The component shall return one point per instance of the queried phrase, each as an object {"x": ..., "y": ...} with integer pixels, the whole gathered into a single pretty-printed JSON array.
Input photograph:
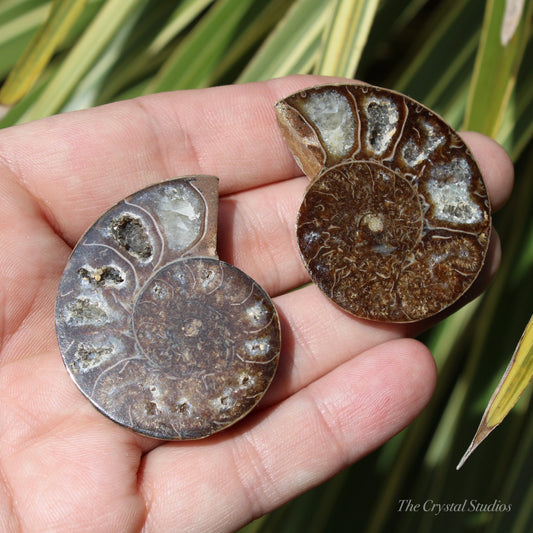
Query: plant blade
[
  {"x": 81, "y": 57},
  {"x": 496, "y": 66},
  {"x": 292, "y": 46},
  {"x": 513, "y": 383},
  {"x": 192, "y": 63},
  {"x": 63, "y": 15},
  {"x": 346, "y": 37}
]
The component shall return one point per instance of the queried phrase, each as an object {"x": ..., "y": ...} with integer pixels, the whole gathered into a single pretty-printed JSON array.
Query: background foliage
[{"x": 448, "y": 54}]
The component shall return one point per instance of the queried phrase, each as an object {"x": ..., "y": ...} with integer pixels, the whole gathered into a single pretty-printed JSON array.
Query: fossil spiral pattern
[
  {"x": 395, "y": 223},
  {"x": 158, "y": 333}
]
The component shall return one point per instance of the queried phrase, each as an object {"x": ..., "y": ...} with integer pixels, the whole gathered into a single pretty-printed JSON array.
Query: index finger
[{"x": 78, "y": 164}]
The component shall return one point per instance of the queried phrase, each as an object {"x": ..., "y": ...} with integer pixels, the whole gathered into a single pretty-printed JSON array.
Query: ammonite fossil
[
  {"x": 159, "y": 334},
  {"x": 395, "y": 223}
]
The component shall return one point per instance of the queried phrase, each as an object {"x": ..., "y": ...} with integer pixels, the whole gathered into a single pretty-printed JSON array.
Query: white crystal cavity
[
  {"x": 257, "y": 347},
  {"x": 257, "y": 314},
  {"x": 382, "y": 117},
  {"x": 449, "y": 191},
  {"x": 180, "y": 211},
  {"x": 331, "y": 113},
  {"x": 413, "y": 154}
]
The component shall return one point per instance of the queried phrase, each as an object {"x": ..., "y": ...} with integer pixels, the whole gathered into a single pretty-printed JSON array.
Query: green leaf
[
  {"x": 17, "y": 27},
  {"x": 293, "y": 45},
  {"x": 149, "y": 42},
  {"x": 516, "y": 130},
  {"x": 85, "y": 52},
  {"x": 61, "y": 19},
  {"x": 497, "y": 63},
  {"x": 345, "y": 37},
  {"x": 261, "y": 23},
  {"x": 184, "y": 14},
  {"x": 19, "y": 17},
  {"x": 437, "y": 71},
  {"x": 517, "y": 377},
  {"x": 191, "y": 64}
]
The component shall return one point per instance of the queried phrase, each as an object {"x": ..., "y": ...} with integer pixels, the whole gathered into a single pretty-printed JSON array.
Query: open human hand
[{"x": 343, "y": 387}]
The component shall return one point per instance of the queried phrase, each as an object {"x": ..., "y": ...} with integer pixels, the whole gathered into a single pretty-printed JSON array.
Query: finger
[
  {"x": 495, "y": 165},
  {"x": 282, "y": 452},
  {"x": 257, "y": 233},
  {"x": 32, "y": 258},
  {"x": 309, "y": 323},
  {"x": 58, "y": 454},
  {"x": 79, "y": 164}
]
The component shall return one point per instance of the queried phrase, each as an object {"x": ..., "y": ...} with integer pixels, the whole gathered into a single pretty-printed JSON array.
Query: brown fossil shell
[
  {"x": 396, "y": 221},
  {"x": 160, "y": 335}
]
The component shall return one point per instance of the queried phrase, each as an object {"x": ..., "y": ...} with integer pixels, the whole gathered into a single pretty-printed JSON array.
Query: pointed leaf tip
[{"x": 516, "y": 378}]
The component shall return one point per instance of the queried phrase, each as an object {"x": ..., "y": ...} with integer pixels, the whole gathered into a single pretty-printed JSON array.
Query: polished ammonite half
[
  {"x": 158, "y": 333},
  {"x": 396, "y": 221}
]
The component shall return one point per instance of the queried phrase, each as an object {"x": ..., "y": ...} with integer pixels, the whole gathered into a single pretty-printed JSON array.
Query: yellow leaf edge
[
  {"x": 61, "y": 17},
  {"x": 486, "y": 425}
]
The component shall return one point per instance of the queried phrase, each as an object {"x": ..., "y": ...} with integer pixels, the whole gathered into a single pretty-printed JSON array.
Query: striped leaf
[
  {"x": 193, "y": 61},
  {"x": 502, "y": 45},
  {"x": 81, "y": 57},
  {"x": 63, "y": 15},
  {"x": 293, "y": 45},
  {"x": 345, "y": 37},
  {"x": 517, "y": 377}
]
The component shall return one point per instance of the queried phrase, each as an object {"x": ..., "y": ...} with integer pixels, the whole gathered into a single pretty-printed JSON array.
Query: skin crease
[{"x": 344, "y": 386}]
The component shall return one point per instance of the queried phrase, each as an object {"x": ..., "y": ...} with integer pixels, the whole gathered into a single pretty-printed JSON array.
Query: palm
[{"x": 61, "y": 462}]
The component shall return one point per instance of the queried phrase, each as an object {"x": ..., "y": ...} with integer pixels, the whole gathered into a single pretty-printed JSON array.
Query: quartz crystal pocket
[
  {"x": 395, "y": 223},
  {"x": 158, "y": 333}
]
